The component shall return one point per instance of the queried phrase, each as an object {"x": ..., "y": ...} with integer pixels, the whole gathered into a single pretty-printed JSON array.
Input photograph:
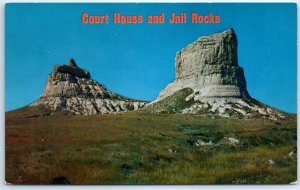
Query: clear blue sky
[{"x": 138, "y": 60}]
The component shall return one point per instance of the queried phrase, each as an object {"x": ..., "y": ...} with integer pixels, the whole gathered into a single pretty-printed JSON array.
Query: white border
[{"x": 127, "y": 187}]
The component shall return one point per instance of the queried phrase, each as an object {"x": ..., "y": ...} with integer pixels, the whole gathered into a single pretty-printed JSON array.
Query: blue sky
[{"x": 138, "y": 60}]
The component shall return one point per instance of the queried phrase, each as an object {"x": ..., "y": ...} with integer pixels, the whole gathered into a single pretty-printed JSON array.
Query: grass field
[{"x": 142, "y": 148}]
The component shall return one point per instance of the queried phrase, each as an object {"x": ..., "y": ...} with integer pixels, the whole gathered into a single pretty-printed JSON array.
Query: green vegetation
[
  {"x": 142, "y": 148},
  {"x": 174, "y": 103}
]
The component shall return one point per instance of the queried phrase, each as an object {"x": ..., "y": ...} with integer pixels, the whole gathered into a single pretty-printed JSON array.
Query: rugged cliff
[
  {"x": 209, "y": 80},
  {"x": 210, "y": 66},
  {"x": 71, "y": 88}
]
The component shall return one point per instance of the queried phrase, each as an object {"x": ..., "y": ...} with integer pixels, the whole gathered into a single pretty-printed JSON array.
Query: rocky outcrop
[
  {"x": 71, "y": 81},
  {"x": 210, "y": 67},
  {"x": 71, "y": 88},
  {"x": 208, "y": 80}
]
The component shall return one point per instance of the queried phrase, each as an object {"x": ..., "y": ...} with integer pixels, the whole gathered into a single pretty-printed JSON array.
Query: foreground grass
[{"x": 141, "y": 148}]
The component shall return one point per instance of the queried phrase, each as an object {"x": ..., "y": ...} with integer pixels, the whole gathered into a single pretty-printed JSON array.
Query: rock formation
[
  {"x": 208, "y": 80},
  {"x": 71, "y": 88},
  {"x": 209, "y": 68}
]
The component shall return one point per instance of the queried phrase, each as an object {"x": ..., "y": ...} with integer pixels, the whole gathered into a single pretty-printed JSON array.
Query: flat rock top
[{"x": 212, "y": 39}]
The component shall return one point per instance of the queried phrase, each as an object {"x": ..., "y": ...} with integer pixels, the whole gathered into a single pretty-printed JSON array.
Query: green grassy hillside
[
  {"x": 173, "y": 103},
  {"x": 142, "y": 148}
]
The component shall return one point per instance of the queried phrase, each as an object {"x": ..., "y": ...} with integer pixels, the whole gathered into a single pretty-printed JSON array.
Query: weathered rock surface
[
  {"x": 210, "y": 67},
  {"x": 226, "y": 107},
  {"x": 71, "y": 88},
  {"x": 208, "y": 80}
]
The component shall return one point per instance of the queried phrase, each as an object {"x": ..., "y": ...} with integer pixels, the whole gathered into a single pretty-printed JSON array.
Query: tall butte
[
  {"x": 209, "y": 80},
  {"x": 210, "y": 67},
  {"x": 71, "y": 88}
]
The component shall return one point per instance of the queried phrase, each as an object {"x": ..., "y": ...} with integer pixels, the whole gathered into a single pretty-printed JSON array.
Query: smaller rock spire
[{"x": 72, "y": 63}]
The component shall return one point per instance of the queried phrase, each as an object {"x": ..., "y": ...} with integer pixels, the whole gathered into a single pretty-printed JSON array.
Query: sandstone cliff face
[
  {"x": 209, "y": 81},
  {"x": 210, "y": 67},
  {"x": 71, "y": 88}
]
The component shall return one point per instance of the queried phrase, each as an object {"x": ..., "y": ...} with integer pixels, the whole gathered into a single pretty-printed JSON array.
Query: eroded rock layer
[
  {"x": 209, "y": 66},
  {"x": 209, "y": 80},
  {"x": 71, "y": 88}
]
